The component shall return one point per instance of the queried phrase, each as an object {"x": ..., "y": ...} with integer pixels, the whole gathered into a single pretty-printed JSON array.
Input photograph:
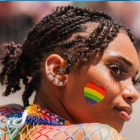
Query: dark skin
[
  {"x": 68, "y": 101},
  {"x": 114, "y": 68},
  {"x": 104, "y": 69}
]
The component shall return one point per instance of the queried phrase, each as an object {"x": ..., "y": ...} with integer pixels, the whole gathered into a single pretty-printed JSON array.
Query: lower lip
[{"x": 123, "y": 114}]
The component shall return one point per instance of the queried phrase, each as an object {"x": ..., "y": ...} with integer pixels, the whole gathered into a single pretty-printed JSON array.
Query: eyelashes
[
  {"x": 136, "y": 81},
  {"x": 119, "y": 70}
]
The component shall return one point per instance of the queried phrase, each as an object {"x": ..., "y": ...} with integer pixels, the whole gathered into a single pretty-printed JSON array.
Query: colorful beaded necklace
[{"x": 33, "y": 114}]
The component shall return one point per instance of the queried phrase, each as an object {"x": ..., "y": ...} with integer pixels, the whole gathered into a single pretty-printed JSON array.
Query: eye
[{"x": 116, "y": 69}]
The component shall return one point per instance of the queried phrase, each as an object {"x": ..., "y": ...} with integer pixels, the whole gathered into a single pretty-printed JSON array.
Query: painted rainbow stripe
[{"x": 94, "y": 94}]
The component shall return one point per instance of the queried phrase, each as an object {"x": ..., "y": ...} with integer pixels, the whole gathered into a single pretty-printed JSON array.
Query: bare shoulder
[{"x": 89, "y": 131}]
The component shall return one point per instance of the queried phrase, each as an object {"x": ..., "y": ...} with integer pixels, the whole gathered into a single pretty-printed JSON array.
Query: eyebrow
[{"x": 126, "y": 61}]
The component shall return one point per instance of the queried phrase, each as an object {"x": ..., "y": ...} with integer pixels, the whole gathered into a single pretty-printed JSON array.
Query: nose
[{"x": 130, "y": 93}]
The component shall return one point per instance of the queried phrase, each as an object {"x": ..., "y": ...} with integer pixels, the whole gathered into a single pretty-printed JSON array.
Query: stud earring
[
  {"x": 49, "y": 75},
  {"x": 53, "y": 78},
  {"x": 56, "y": 81},
  {"x": 47, "y": 72},
  {"x": 60, "y": 83}
]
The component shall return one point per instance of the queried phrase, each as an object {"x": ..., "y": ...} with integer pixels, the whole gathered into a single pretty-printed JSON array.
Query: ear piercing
[
  {"x": 48, "y": 72},
  {"x": 49, "y": 75},
  {"x": 61, "y": 83},
  {"x": 56, "y": 81},
  {"x": 53, "y": 78}
]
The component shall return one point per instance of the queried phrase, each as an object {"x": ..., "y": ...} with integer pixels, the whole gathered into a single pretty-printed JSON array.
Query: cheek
[
  {"x": 113, "y": 90},
  {"x": 94, "y": 94},
  {"x": 101, "y": 76},
  {"x": 74, "y": 99}
]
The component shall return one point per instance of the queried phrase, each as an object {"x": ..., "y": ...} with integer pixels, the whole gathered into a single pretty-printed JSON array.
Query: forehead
[{"x": 122, "y": 46}]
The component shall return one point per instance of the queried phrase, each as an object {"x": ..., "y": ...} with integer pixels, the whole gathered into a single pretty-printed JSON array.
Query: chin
[
  {"x": 119, "y": 129},
  {"x": 118, "y": 126},
  {"x": 116, "y": 123}
]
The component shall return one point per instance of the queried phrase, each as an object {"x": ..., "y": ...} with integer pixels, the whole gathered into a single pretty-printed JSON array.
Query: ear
[{"x": 52, "y": 64}]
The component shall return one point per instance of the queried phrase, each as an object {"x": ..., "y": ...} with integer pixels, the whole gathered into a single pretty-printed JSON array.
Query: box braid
[{"x": 53, "y": 31}]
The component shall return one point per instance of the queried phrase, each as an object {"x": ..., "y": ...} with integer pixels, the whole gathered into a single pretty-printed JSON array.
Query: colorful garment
[{"x": 38, "y": 123}]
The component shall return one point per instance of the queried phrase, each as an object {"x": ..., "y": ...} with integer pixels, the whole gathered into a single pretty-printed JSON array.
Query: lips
[{"x": 124, "y": 112}]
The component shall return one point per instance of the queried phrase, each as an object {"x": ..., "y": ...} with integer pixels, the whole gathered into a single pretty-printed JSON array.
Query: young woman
[{"x": 83, "y": 67}]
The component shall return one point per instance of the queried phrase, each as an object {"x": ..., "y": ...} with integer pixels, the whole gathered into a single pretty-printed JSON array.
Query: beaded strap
[{"x": 37, "y": 114}]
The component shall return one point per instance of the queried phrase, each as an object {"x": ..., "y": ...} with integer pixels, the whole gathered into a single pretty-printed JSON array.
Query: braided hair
[{"x": 53, "y": 31}]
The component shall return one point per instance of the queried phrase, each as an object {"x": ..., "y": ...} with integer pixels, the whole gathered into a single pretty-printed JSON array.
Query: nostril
[{"x": 130, "y": 98}]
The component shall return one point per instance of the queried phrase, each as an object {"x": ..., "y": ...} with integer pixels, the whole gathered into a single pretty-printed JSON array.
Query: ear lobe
[{"x": 53, "y": 63}]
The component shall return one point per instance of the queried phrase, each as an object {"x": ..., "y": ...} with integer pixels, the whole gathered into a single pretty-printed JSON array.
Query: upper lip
[{"x": 127, "y": 109}]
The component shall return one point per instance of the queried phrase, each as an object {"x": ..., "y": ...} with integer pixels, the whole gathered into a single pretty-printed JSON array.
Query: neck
[{"x": 54, "y": 105}]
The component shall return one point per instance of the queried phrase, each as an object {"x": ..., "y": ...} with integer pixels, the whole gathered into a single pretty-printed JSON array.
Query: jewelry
[
  {"x": 33, "y": 114},
  {"x": 20, "y": 119},
  {"x": 56, "y": 81},
  {"x": 53, "y": 78},
  {"x": 60, "y": 83},
  {"x": 47, "y": 72},
  {"x": 50, "y": 76}
]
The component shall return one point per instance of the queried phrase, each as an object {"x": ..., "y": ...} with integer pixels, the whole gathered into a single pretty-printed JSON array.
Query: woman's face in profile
[{"x": 114, "y": 69}]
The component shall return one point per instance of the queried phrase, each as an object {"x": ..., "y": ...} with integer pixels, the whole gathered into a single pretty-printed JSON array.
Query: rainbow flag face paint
[{"x": 94, "y": 94}]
